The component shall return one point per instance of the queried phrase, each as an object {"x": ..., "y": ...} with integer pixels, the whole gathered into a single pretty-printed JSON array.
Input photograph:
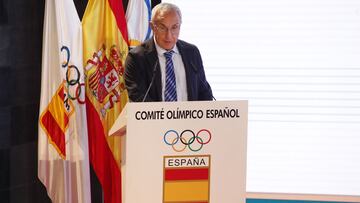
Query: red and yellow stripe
[
  {"x": 54, "y": 120},
  {"x": 186, "y": 185}
]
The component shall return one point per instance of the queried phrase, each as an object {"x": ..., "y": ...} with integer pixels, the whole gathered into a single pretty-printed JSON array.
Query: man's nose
[{"x": 168, "y": 34}]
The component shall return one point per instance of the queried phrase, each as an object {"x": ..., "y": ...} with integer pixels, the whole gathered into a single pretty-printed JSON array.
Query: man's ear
[{"x": 151, "y": 25}]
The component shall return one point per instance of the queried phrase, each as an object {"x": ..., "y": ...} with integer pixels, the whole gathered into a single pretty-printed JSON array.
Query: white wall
[{"x": 298, "y": 64}]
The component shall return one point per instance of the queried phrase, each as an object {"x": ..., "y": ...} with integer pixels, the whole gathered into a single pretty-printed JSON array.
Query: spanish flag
[
  {"x": 105, "y": 49},
  {"x": 186, "y": 184}
]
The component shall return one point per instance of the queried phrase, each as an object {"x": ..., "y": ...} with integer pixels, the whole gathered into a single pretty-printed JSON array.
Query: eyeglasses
[{"x": 175, "y": 29}]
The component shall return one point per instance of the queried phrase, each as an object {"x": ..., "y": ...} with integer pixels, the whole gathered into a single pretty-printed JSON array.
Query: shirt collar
[{"x": 161, "y": 51}]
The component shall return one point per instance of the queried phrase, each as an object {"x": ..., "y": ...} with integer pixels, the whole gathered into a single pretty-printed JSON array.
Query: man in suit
[{"x": 164, "y": 68}]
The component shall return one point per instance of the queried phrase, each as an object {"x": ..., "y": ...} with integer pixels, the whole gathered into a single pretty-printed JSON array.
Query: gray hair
[{"x": 164, "y": 8}]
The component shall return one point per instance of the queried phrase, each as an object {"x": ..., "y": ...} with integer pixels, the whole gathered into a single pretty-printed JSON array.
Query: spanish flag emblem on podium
[{"x": 186, "y": 179}]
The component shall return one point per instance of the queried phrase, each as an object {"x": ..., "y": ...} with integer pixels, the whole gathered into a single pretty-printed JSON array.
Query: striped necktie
[{"x": 170, "y": 80}]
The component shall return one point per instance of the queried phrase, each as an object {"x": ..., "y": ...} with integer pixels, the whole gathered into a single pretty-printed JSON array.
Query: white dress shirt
[{"x": 179, "y": 70}]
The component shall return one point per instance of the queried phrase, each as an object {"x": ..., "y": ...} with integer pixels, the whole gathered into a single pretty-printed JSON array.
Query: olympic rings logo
[
  {"x": 187, "y": 138},
  {"x": 72, "y": 78}
]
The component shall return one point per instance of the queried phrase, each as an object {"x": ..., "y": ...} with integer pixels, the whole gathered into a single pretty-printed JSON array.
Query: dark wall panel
[
  {"x": 3, "y": 13},
  {"x": 20, "y": 68}
]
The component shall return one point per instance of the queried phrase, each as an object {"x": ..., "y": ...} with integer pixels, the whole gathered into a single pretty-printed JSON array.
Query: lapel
[
  {"x": 186, "y": 58},
  {"x": 152, "y": 61}
]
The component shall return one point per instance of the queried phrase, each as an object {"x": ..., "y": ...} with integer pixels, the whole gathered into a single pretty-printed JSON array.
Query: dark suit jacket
[{"x": 142, "y": 63}]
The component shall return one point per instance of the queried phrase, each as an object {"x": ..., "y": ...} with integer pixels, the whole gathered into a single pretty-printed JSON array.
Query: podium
[{"x": 183, "y": 151}]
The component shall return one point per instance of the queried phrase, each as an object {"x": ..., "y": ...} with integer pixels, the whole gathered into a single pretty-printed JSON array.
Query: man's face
[{"x": 166, "y": 29}]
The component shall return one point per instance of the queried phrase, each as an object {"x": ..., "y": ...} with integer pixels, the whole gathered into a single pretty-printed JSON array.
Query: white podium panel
[{"x": 184, "y": 152}]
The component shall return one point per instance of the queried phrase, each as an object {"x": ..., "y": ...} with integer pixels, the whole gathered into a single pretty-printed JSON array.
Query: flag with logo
[
  {"x": 138, "y": 16},
  {"x": 105, "y": 49},
  {"x": 63, "y": 159}
]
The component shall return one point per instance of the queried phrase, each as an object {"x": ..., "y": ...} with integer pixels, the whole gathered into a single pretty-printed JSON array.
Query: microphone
[
  {"x": 152, "y": 80},
  {"x": 203, "y": 83}
]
